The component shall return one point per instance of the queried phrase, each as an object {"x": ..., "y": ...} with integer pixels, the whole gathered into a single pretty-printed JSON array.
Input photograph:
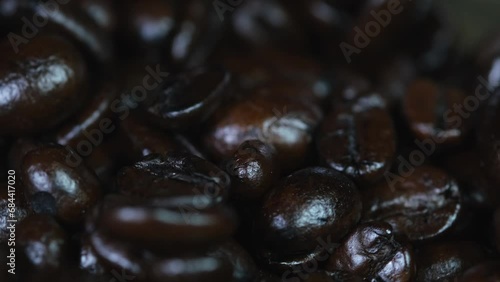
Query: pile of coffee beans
[{"x": 246, "y": 141}]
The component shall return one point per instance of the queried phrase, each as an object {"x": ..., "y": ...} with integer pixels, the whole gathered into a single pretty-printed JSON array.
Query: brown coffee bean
[
  {"x": 41, "y": 85},
  {"x": 307, "y": 206},
  {"x": 424, "y": 205},
  {"x": 431, "y": 112},
  {"x": 75, "y": 188},
  {"x": 359, "y": 139},
  {"x": 446, "y": 261}
]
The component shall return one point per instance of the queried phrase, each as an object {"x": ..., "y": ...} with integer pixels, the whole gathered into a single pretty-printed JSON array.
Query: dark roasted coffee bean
[
  {"x": 41, "y": 85},
  {"x": 253, "y": 169},
  {"x": 483, "y": 272},
  {"x": 166, "y": 225},
  {"x": 92, "y": 124},
  {"x": 371, "y": 251},
  {"x": 74, "y": 187},
  {"x": 431, "y": 112},
  {"x": 244, "y": 268},
  {"x": 309, "y": 207},
  {"x": 423, "y": 205},
  {"x": 279, "y": 120},
  {"x": 358, "y": 139},
  {"x": 446, "y": 261},
  {"x": 175, "y": 175},
  {"x": 42, "y": 244},
  {"x": 188, "y": 99}
]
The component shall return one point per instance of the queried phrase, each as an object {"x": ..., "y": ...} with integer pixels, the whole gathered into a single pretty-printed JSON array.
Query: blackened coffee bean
[
  {"x": 244, "y": 268},
  {"x": 402, "y": 266},
  {"x": 41, "y": 85},
  {"x": 42, "y": 244},
  {"x": 432, "y": 113},
  {"x": 446, "y": 261},
  {"x": 423, "y": 205},
  {"x": 188, "y": 99},
  {"x": 282, "y": 121},
  {"x": 358, "y": 139},
  {"x": 253, "y": 169},
  {"x": 94, "y": 123},
  {"x": 365, "y": 250},
  {"x": 482, "y": 272},
  {"x": 175, "y": 175},
  {"x": 306, "y": 208},
  {"x": 75, "y": 188},
  {"x": 167, "y": 226}
]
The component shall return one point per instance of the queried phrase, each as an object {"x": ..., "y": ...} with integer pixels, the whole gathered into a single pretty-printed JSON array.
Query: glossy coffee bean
[
  {"x": 488, "y": 137},
  {"x": 446, "y": 261},
  {"x": 75, "y": 189},
  {"x": 167, "y": 225},
  {"x": 435, "y": 112},
  {"x": 244, "y": 268},
  {"x": 187, "y": 99},
  {"x": 40, "y": 86},
  {"x": 253, "y": 169},
  {"x": 423, "y": 205},
  {"x": 371, "y": 251},
  {"x": 279, "y": 120},
  {"x": 116, "y": 254},
  {"x": 359, "y": 139},
  {"x": 482, "y": 272},
  {"x": 42, "y": 245},
  {"x": 307, "y": 206},
  {"x": 94, "y": 123},
  {"x": 175, "y": 175}
]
